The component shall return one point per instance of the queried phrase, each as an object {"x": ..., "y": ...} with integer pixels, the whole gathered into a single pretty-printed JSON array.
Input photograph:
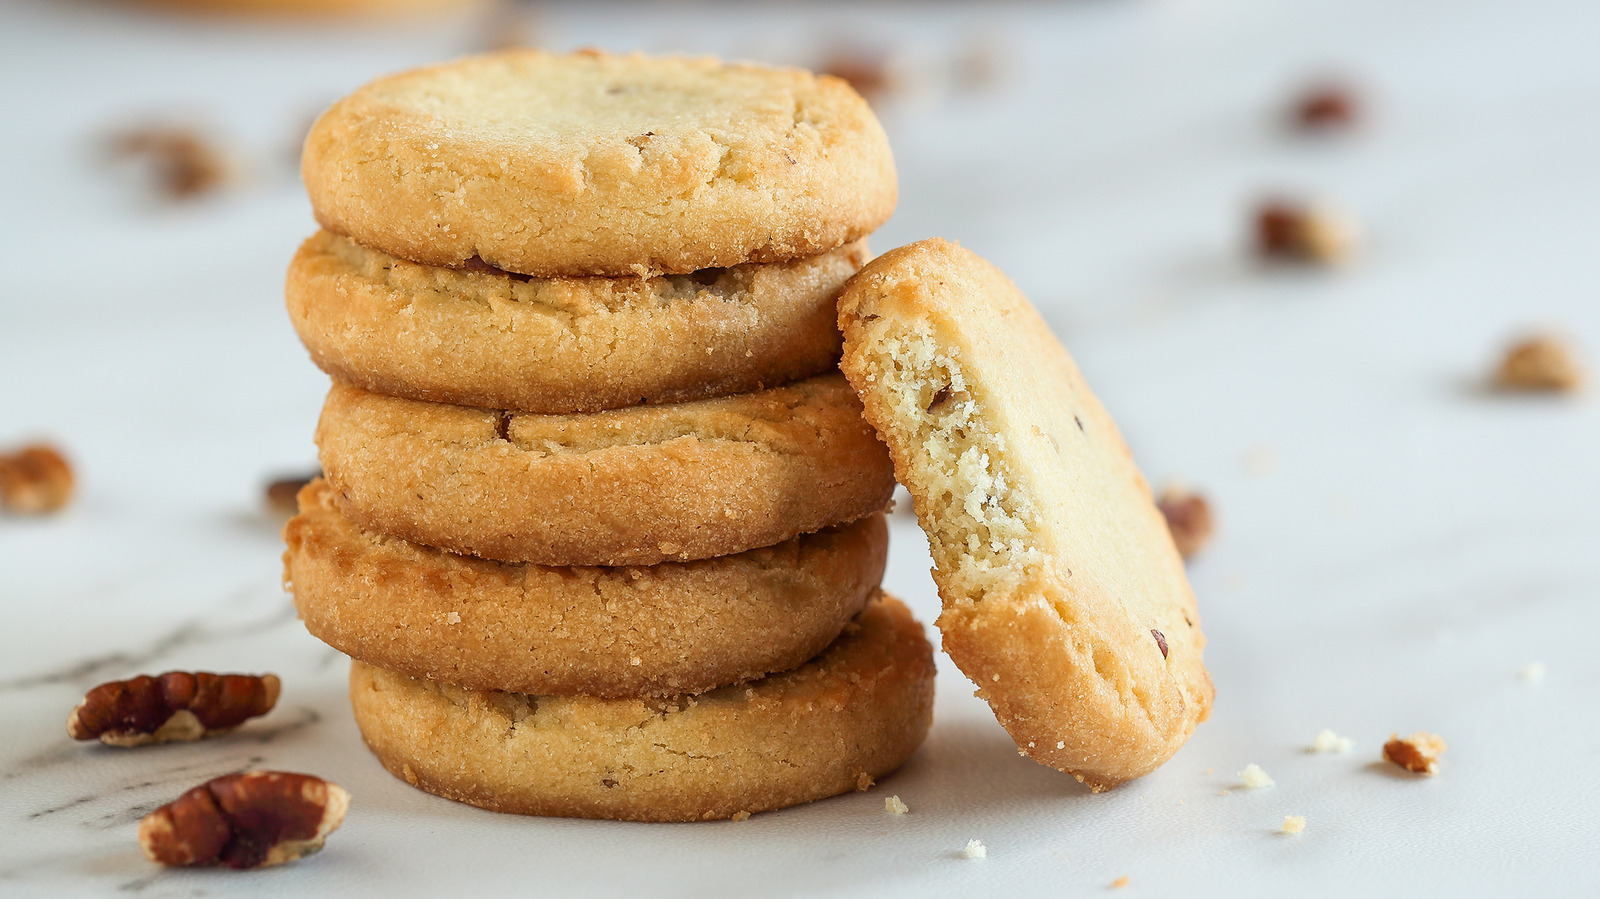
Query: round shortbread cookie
[
  {"x": 658, "y": 630},
  {"x": 631, "y": 486},
  {"x": 849, "y": 716},
  {"x": 593, "y": 164},
  {"x": 563, "y": 344},
  {"x": 1064, "y": 598}
]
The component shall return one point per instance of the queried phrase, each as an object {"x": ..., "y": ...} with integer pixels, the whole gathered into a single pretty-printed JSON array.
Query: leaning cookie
[
  {"x": 677, "y": 627},
  {"x": 502, "y": 341},
  {"x": 592, "y": 164},
  {"x": 853, "y": 714},
  {"x": 1064, "y": 599},
  {"x": 631, "y": 486}
]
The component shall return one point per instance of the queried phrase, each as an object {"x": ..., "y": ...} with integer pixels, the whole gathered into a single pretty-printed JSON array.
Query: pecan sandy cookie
[
  {"x": 853, "y": 714},
  {"x": 592, "y": 164},
  {"x": 1064, "y": 599},
  {"x": 631, "y": 486},
  {"x": 676, "y": 627},
  {"x": 486, "y": 338}
]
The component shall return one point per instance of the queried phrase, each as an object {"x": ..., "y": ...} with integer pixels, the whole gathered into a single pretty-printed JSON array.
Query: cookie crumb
[
  {"x": 35, "y": 480},
  {"x": 1304, "y": 233},
  {"x": 1120, "y": 882},
  {"x": 741, "y": 816},
  {"x": 1542, "y": 362},
  {"x": 1254, "y": 778},
  {"x": 894, "y": 806},
  {"x": 1418, "y": 753},
  {"x": 1061, "y": 744},
  {"x": 1532, "y": 673},
  {"x": 1294, "y": 823},
  {"x": 975, "y": 849},
  {"x": 1328, "y": 741},
  {"x": 1188, "y": 517},
  {"x": 453, "y": 618},
  {"x": 863, "y": 782}
]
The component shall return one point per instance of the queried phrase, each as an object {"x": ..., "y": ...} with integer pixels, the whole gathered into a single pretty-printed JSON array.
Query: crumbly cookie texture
[
  {"x": 1064, "y": 598},
  {"x": 594, "y": 164},
  {"x": 500, "y": 341},
  {"x": 849, "y": 716},
  {"x": 631, "y": 486},
  {"x": 668, "y": 629}
]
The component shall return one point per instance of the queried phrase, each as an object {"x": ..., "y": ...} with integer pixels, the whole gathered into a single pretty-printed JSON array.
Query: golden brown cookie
[
  {"x": 631, "y": 486},
  {"x": 658, "y": 630},
  {"x": 1064, "y": 599},
  {"x": 562, "y": 165},
  {"x": 563, "y": 344},
  {"x": 849, "y": 716}
]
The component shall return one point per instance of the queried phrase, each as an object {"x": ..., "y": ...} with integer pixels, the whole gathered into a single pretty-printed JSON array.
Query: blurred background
[{"x": 1287, "y": 242}]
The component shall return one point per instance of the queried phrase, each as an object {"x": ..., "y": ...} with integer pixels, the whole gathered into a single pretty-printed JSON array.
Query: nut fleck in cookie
[
  {"x": 677, "y": 627},
  {"x": 1064, "y": 599},
  {"x": 486, "y": 338},
  {"x": 593, "y": 164},
  {"x": 631, "y": 486},
  {"x": 849, "y": 716}
]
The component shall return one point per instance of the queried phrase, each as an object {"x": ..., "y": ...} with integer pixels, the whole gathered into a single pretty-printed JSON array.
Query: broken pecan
[
  {"x": 1326, "y": 107},
  {"x": 34, "y": 480},
  {"x": 248, "y": 820},
  {"x": 1418, "y": 753},
  {"x": 1188, "y": 518},
  {"x": 1304, "y": 233},
  {"x": 864, "y": 70},
  {"x": 178, "y": 705},
  {"x": 282, "y": 493},
  {"x": 1542, "y": 362},
  {"x": 180, "y": 162}
]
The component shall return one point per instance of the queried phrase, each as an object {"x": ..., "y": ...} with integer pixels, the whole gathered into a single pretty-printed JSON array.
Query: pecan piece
[
  {"x": 1303, "y": 233},
  {"x": 1326, "y": 107},
  {"x": 1189, "y": 519},
  {"x": 180, "y": 163},
  {"x": 34, "y": 480},
  {"x": 1542, "y": 362},
  {"x": 178, "y": 705},
  {"x": 281, "y": 493},
  {"x": 1418, "y": 753},
  {"x": 248, "y": 820}
]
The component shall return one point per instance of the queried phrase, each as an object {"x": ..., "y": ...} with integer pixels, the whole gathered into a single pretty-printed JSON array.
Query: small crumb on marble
[
  {"x": 1328, "y": 741},
  {"x": 1532, "y": 673},
  {"x": 894, "y": 806},
  {"x": 1253, "y": 777},
  {"x": 1294, "y": 823},
  {"x": 1418, "y": 753},
  {"x": 975, "y": 849},
  {"x": 1543, "y": 362},
  {"x": 1120, "y": 882}
]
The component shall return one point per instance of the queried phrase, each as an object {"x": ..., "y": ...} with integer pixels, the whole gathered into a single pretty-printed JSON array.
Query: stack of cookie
[{"x": 602, "y": 522}]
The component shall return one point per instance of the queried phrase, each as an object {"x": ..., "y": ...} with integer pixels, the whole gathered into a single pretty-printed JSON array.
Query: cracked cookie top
[{"x": 592, "y": 164}]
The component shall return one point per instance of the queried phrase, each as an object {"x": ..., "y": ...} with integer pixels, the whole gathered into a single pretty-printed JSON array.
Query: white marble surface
[{"x": 1397, "y": 544}]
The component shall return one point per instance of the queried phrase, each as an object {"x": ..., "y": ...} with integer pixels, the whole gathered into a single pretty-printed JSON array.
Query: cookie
[
  {"x": 593, "y": 164},
  {"x": 677, "y": 627},
  {"x": 631, "y": 486},
  {"x": 316, "y": 8},
  {"x": 485, "y": 338},
  {"x": 849, "y": 716},
  {"x": 1064, "y": 599}
]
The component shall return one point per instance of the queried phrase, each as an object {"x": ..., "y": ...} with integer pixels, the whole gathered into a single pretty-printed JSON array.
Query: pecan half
[
  {"x": 34, "y": 480},
  {"x": 1326, "y": 107},
  {"x": 248, "y": 820},
  {"x": 178, "y": 705},
  {"x": 180, "y": 163}
]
